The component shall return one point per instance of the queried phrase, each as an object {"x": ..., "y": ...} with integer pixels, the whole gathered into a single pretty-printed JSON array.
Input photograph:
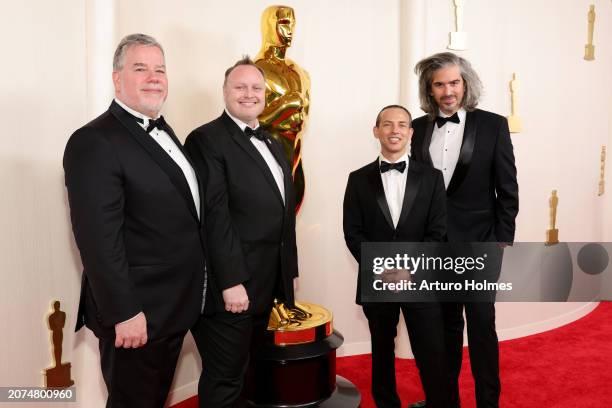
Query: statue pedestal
[
  {"x": 552, "y": 236},
  {"x": 589, "y": 52},
  {"x": 298, "y": 375},
  {"x": 58, "y": 377},
  {"x": 514, "y": 124}
]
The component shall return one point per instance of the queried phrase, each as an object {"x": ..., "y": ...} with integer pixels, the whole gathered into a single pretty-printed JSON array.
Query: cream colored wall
[
  {"x": 43, "y": 101},
  {"x": 360, "y": 56}
]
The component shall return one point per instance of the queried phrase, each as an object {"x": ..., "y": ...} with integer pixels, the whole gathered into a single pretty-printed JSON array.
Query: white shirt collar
[
  {"x": 461, "y": 113},
  {"x": 240, "y": 123},
  {"x": 404, "y": 157},
  {"x": 137, "y": 114}
]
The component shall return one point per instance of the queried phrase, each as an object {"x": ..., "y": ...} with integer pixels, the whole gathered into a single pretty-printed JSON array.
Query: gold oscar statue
[
  {"x": 552, "y": 234},
  {"x": 602, "y": 168},
  {"x": 287, "y": 90},
  {"x": 458, "y": 38},
  {"x": 589, "y": 48},
  {"x": 514, "y": 122},
  {"x": 57, "y": 376}
]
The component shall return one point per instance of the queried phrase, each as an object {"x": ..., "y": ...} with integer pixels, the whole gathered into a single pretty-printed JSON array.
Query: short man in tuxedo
[
  {"x": 250, "y": 206},
  {"x": 472, "y": 148},
  {"x": 395, "y": 199},
  {"x": 135, "y": 208}
]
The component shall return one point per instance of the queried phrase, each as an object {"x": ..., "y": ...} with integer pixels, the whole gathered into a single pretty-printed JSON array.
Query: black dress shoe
[{"x": 418, "y": 404}]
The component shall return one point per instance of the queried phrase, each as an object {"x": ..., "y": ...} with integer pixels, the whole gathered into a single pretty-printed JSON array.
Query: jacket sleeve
[
  {"x": 95, "y": 193},
  {"x": 436, "y": 217},
  {"x": 228, "y": 265},
  {"x": 353, "y": 219},
  {"x": 506, "y": 186}
]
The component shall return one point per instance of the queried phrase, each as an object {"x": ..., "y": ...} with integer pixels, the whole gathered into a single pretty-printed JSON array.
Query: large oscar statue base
[
  {"x": 296, "y": 367},
  {"x": 58, "y": 377},
  {"x": 552, "y": 237}
]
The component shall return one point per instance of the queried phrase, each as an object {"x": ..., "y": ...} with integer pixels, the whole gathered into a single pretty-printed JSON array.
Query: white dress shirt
[
  {"x": 394, "y": 184},
  {"x": 165, "y": 141},
  {"x": 260, "y": 145},
  {"x": 446, "y": 145}
]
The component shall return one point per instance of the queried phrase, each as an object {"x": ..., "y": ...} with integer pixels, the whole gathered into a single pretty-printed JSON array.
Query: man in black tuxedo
[
  {"x": 395, "y": 199},
  {"x": 250, "y": 206},
  {"x": 473, "y": 150},
  {"x": 135, "y": 209}
]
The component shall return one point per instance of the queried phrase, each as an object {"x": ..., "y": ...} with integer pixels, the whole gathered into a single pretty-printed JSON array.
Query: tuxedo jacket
[
  {"x": 366, "y": 212},
  {"x": 482, "y": 196},
  {"x": 251, "y": 232},
  {"x": 136, "y": 227}
]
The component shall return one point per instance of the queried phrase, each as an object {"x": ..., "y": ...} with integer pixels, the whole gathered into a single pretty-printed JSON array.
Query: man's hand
[
  {"x": 236, "y": 299},
  {"x": 295, "y": 284},
  {"x": 395, "y": 275},
  {"x": 131, "y": 333}
]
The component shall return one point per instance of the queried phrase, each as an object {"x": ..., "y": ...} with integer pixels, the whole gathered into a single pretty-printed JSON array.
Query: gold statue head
[{"x": 277, "y": 24}]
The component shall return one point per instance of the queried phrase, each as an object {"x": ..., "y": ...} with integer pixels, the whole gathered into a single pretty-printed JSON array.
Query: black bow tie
[
  {"x": 442, "y": 121},
  {"x": 399, "y": 166},
  {"x": 258, "y": 133},
  {"x": 159, "y": 123}
]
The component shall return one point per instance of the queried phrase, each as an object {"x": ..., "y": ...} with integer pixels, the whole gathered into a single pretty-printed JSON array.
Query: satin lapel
[
  {"x": 169, "y": 166},
  {"x": 413, "y": 182},
  {"x": 465, "y": 154},
  {"x": 243, "y": 141},
  {"x": 279, "y": 155},
  {"x": 427, "y": 142},
  {"x": 379, "y": 192},
  {"x": 200, "y": 186}
]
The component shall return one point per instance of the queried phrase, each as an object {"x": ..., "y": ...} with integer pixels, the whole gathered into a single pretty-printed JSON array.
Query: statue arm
[{"x": 292, "y": 100}]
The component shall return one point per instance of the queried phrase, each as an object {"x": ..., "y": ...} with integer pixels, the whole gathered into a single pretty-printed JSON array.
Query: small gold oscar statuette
[
  {"x": 458, "y": 38},
  {"x": 57, "y": 376},
  {"x": 514, "y": 122},
  {"x": 602, "y": 168},
  {"x": 589, "y": 48},
  {"x": 552, "y": 234}
]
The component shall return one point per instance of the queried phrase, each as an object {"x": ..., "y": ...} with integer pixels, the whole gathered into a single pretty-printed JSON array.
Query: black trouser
[
  {"x": 224, "y": 341},
  {"x": 483, "y": 348},
  {"x": 139, "y": 377},
  {"x": 424, "y": 323}
]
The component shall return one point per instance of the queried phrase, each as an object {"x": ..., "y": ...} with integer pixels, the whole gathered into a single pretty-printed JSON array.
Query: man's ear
[{"x": 116, "y": 81}]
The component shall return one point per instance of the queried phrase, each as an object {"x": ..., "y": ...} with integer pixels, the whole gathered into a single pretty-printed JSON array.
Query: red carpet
[{"x": 570, "y": 366}]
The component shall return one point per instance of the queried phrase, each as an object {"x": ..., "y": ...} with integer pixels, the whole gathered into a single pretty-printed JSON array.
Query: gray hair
[
  {"x": 425, "y": 70},
  {"x": 127, "y": 42},
  {"x": 245, "y": 60}
]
